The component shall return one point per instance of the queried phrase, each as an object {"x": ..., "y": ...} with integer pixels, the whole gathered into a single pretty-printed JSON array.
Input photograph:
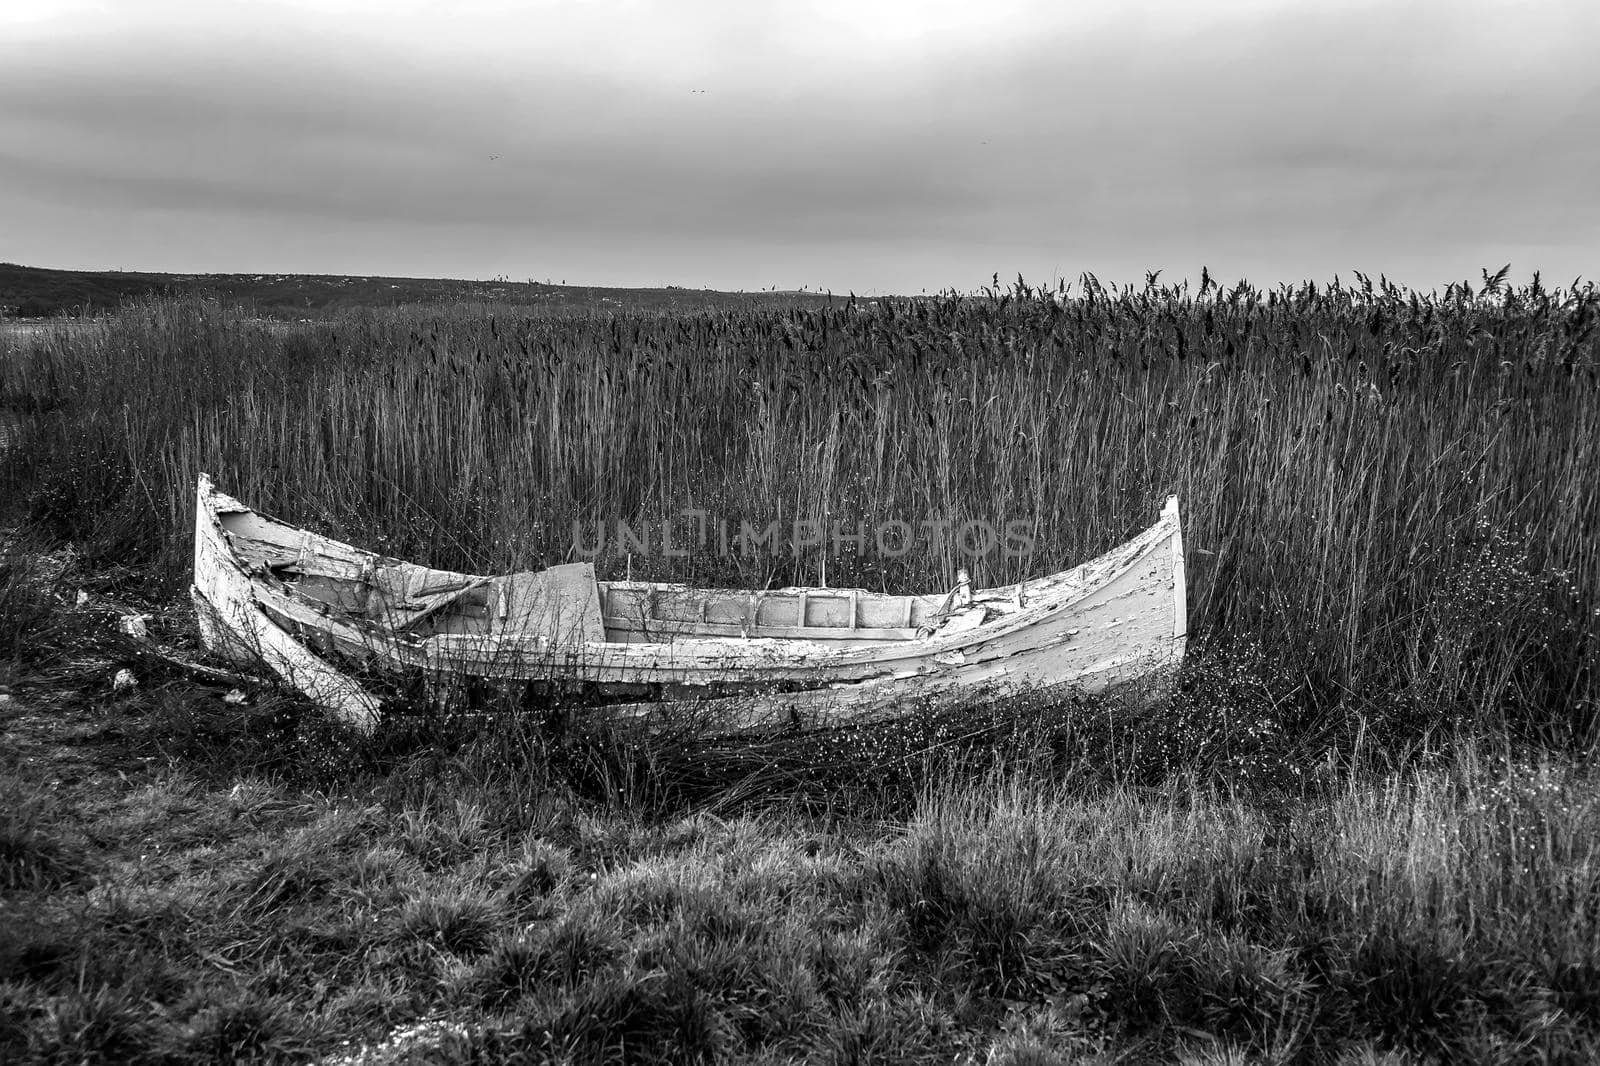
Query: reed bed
[{"x": 1393, "y": 493}]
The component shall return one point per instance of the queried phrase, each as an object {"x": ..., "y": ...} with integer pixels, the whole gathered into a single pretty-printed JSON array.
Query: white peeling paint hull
[{"x": 270, "y": 591}]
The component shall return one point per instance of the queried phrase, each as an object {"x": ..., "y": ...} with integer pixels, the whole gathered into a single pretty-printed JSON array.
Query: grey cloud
[{"x": 1285, "y": 143}]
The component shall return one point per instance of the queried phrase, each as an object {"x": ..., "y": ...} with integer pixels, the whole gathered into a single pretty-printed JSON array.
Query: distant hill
[{"x": 37, "y": 292}]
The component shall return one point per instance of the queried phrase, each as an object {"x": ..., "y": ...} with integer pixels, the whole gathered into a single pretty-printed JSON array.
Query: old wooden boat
[{"x": 320, "y": 613}]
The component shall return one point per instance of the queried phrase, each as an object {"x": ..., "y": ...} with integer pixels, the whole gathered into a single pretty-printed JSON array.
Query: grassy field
[{"x": 1361, "y": 832}]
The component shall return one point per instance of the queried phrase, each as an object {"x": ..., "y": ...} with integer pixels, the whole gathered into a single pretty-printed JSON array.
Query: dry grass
[
  {"x": 1359, "y": 835},
  {"x": 211, "y": 915}
]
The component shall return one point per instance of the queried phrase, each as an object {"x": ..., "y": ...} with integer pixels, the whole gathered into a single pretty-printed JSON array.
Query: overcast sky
[{"x": 863, "y": 145}]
